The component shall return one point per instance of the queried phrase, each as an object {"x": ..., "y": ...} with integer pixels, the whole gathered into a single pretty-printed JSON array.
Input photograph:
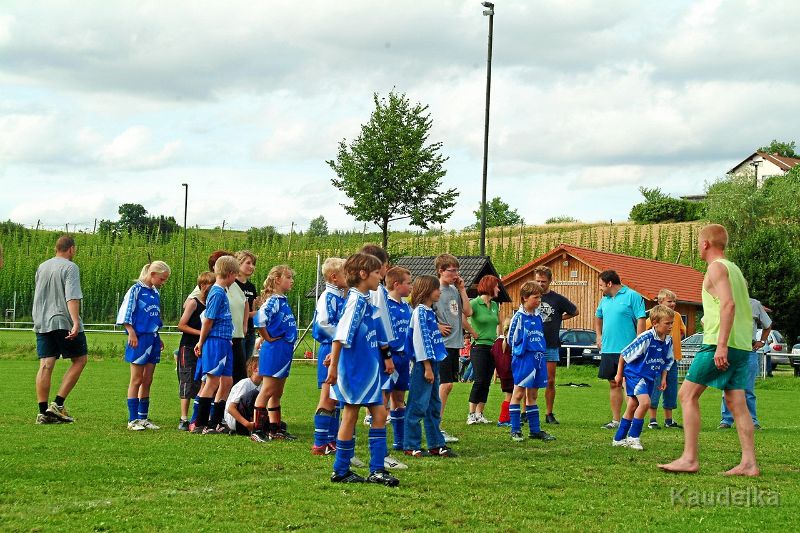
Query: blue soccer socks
[
  {"x": 144, "y": 408},
  {"x": 322, "y": 426},
  {"x": 377, "y": 448},
  {"x": 133, "y": 409},
  {"x": 345, "y": 450},
  {"x": 398, "y": 417},
  {"x": 532, "y": 412},
  {"x": 516, "y": 421},
  {"x": 636, "y": 428},
  {"x": 622, "y": 430}
]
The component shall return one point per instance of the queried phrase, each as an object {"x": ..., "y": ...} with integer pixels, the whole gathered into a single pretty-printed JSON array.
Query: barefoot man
[{"x": 722, "y": 360}]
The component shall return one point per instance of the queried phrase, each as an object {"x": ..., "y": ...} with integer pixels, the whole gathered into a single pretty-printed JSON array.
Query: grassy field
[{"x": 95, "y": 475}]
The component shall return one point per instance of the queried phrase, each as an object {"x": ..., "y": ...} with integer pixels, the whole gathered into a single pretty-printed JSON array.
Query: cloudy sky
[{"x": 104, "y": 103}]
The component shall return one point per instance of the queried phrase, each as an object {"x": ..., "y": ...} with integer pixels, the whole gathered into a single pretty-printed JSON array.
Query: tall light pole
[
  {"x": 489, "y": 12},
  {"x": 185, "y": 209},
  {"x": 757, "y": 160}
]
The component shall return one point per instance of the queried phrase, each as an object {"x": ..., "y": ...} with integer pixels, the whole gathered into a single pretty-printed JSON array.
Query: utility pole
[{"x": 489, "y": 11}]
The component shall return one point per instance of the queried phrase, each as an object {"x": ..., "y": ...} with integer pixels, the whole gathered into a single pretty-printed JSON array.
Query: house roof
[
  {"x": 472, "y": 269},
  {"x": 784, "y": 163},
  {"x": 645, "y": 276}
]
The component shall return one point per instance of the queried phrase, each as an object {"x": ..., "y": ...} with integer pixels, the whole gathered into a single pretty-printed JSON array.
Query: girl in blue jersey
[
  {"x": 528, "y": 362},
  {"x": 354, "y": 372},
  {"x": 140, "y": 314},
  {"x": 426, "y": 344},
  {"x": 278, "y": 329},
  {"x": 643, "y": 363}
]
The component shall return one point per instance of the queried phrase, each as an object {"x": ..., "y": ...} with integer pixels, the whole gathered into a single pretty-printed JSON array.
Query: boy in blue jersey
[
  {"x": 140, "y": 313},
  {"x": 647, "y": 359},
  {"x": 326, "y": 316},
  {"x": 398, "y": 282},
  {"x": 528, "y": 362},
  {"x": 215, "y": 348},
  {"x": 426, "y": 344},
  {"x": 355, "y": 367}
]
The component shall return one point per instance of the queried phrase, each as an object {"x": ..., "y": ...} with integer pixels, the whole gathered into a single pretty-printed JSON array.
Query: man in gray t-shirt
[
  {"x": 59, "y": 330},
  {"x": 453, "y": 304}
]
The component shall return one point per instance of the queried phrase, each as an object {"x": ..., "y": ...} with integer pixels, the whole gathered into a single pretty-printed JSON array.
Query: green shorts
[{"x": 704, "y": 372}]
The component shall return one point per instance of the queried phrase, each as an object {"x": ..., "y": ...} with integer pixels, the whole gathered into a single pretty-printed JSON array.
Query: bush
[
  {"x": 659, "y": 207},
  {"x": 561, "y": 219}
]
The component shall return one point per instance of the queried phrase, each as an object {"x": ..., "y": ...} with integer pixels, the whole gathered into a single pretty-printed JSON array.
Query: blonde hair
[
  {"x": 663, "y": 294},
  {"x": 204, "y": 281},
  {"x": 528, "y": 288},
  {"x": 156, "y": 267},
  {"x": 506, "y": 324},
  {"x": 661, "y": 312},
  {"x": 422, "y": 288},
  {"x": 242, "y": 255},
  {"x": 275, "y": 273},
  {"x": 226, "y": 265},
  {"x": 716, "y": 235},
  {"x": 331, "y": 266},
  {"x": 396, "y": 275}
]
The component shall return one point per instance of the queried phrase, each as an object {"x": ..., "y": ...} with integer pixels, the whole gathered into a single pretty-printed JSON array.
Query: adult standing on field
[
  {"x": 723, "y": 357},
  {"x": 59, "y": 331},
  {"x": 554, "y": 309},
  {"x": 620, "y": 318},
  {"x": 484, "y": 327}
]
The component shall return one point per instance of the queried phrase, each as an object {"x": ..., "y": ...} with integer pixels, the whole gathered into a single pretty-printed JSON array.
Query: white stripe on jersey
[
  {"x": 125, "y": 313},
  {"x": 353, "y": 313},
  {"x": 378, "y": 299}
]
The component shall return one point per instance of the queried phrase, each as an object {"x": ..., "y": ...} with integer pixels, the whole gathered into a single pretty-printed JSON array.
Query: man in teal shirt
[{"x": 620, "y": 317}]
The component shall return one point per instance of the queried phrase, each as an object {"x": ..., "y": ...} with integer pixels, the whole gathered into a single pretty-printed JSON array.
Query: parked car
[
  {"x": 794, "y": 359},
  {"x": 691, "y": 345},
  {"x": 584, "y": 339},
  {"x": 778, "y": 349}
]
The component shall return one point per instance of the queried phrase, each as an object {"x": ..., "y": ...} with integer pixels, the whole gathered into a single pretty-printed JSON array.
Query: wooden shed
[{"x": 575, "y": 274}]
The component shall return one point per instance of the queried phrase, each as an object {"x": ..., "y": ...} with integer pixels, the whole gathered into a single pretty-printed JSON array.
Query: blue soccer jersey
[
  {"x": 424, "y": 339},
  {"x": 219, "y": 310},
  {"x": 648, "y": 356},
  {"x": 526, "y": 333},
  {"x": 400, "y": 315},
  {"x": 141, "y": 308},
  {"x": 328, "y": 311},
  {"x": 359, "y": 380},
  {"x": 275, "y": 357},
  {"x": 378, "y": 298}
]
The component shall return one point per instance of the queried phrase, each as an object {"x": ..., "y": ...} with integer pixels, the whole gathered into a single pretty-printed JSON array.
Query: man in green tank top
[{"x": 722, "y": 360}]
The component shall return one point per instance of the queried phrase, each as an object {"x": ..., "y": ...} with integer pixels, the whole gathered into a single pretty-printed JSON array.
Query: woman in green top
[{"x": 484, "y": 327}]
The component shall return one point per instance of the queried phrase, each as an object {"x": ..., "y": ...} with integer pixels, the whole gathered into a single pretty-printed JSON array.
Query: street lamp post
[
  {"x": 757, "y": 160},
  {"x": 489, "y": 12},
  {"x": 185, "y": 209}
]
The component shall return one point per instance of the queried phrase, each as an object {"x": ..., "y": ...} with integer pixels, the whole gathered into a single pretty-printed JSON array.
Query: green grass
[{"x": 95, "y": 475}]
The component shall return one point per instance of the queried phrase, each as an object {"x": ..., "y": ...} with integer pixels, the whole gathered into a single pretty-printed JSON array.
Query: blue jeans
[
  {"x": 670, "y": 393},
  {"x": 424, "y": 405},
  {"x": 749, "y": 392}
]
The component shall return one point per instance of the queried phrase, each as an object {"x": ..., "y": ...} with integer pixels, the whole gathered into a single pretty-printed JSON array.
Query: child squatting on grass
[
  {"x": 528, "y": 362},
  {"x": 354, "y": 372},
  {"x": 140, "y": 313},
  {"x": 277, "y": 326},
  {"x": 647, "y": 359}
]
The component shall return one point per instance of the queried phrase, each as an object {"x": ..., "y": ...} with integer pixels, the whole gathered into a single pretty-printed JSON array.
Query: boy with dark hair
[{"x": 242, "y": 400}]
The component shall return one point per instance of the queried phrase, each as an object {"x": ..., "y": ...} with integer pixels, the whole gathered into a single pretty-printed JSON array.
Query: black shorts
[
  {"x": 188, "y": 387},
  {"x": 448, "y": 369},
  {"x": 609, "y": 362},
  {"x": 55, "y": 344}
]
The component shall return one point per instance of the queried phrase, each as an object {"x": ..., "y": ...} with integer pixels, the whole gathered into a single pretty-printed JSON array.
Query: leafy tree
[
  {"x": 660, "y": 207},
  {"x": 781, "y": 148},
  {"x": 318, "y": 227},
  {"x": 498, "y": 213},
  {"x": 132, "y": 217},
  {"x": 561, "y": 219},
  {"x": 391, "y": 171}
]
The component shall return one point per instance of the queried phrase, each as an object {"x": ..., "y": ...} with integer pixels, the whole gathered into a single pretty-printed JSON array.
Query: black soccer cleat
[
  {"x": 347, "y": 477},
  {"x": 383, "y": 477}
]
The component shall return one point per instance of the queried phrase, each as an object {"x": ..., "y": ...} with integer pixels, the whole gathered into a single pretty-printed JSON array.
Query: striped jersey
[
  {"x": 526, "y": 333},
  {"x": 424, "y": 339},
  {"x": 219, "y": 310},
  {"x": 647, "y": 356},
  {"x": 276, "y": 316},
  {"x": 330, "y": 306},
  {"x": 141, "y": 308}
]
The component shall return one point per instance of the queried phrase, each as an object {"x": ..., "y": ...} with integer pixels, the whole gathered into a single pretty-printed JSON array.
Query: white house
[{"x": 763, "y": 165}]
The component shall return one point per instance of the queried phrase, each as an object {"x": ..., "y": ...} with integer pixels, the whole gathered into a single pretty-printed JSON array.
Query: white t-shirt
[{"x": 243, "y": 387}]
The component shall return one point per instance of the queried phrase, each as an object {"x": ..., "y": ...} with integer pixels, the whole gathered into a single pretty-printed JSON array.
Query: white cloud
[{"x": 134, "y": 149}]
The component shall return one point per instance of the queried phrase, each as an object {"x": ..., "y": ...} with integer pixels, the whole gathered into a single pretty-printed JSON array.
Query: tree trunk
[{"x": 385, "y": 230}]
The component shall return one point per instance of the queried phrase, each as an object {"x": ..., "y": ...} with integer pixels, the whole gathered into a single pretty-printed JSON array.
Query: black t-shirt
[
  {"x": 551, "y": 310},
  {"x": 250, "y": 293},
  {"x": 187, "y": 339}
]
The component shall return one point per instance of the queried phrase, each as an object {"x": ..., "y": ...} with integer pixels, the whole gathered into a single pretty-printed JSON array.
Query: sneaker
[
  {"x": 347, "y": 477},
  {"x": 504, "y": 424},
  {"x": 482, "y": 419},
  {"x": 614, "y": 424},
  {"x": 47, "y": 418},
  {"x": 623, "y": 442},
  {"x": 258, "y": 436},
  {"x": 542, "y": 435},
  {"x": 635, "y": 444},
  {"x": 281, "y": 434},
  {"x": 368, "y": 420},
  {"x": 472, "y": 419},
  {"x": 443, "y": 451},
  {"x": 136, "y": 425},
  {"x": 183, "y": 425},
  {"x": 391, "y": 462},
  {"x": 724, "y": 425},
  {"x": 195, "y": 429},
  {"x": 321, "y": 450},
  {"x": 516, "y": 436},
  {"x": 356, "y": 462},
  {"x": 382, "y": 477},
  {"x": 448, "y": 438},
  {"x": 654, "y": 425},
  {"x": 331, "y": 447},
  {"x": 221, "y": 429},
  {"x": 417, "y": 453},
  {"x": 551, "y": 419},
  {"x": 673, "y": 425},
  {"x": 149, "y": 425},
  {"x": 60, "y": 413}
]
